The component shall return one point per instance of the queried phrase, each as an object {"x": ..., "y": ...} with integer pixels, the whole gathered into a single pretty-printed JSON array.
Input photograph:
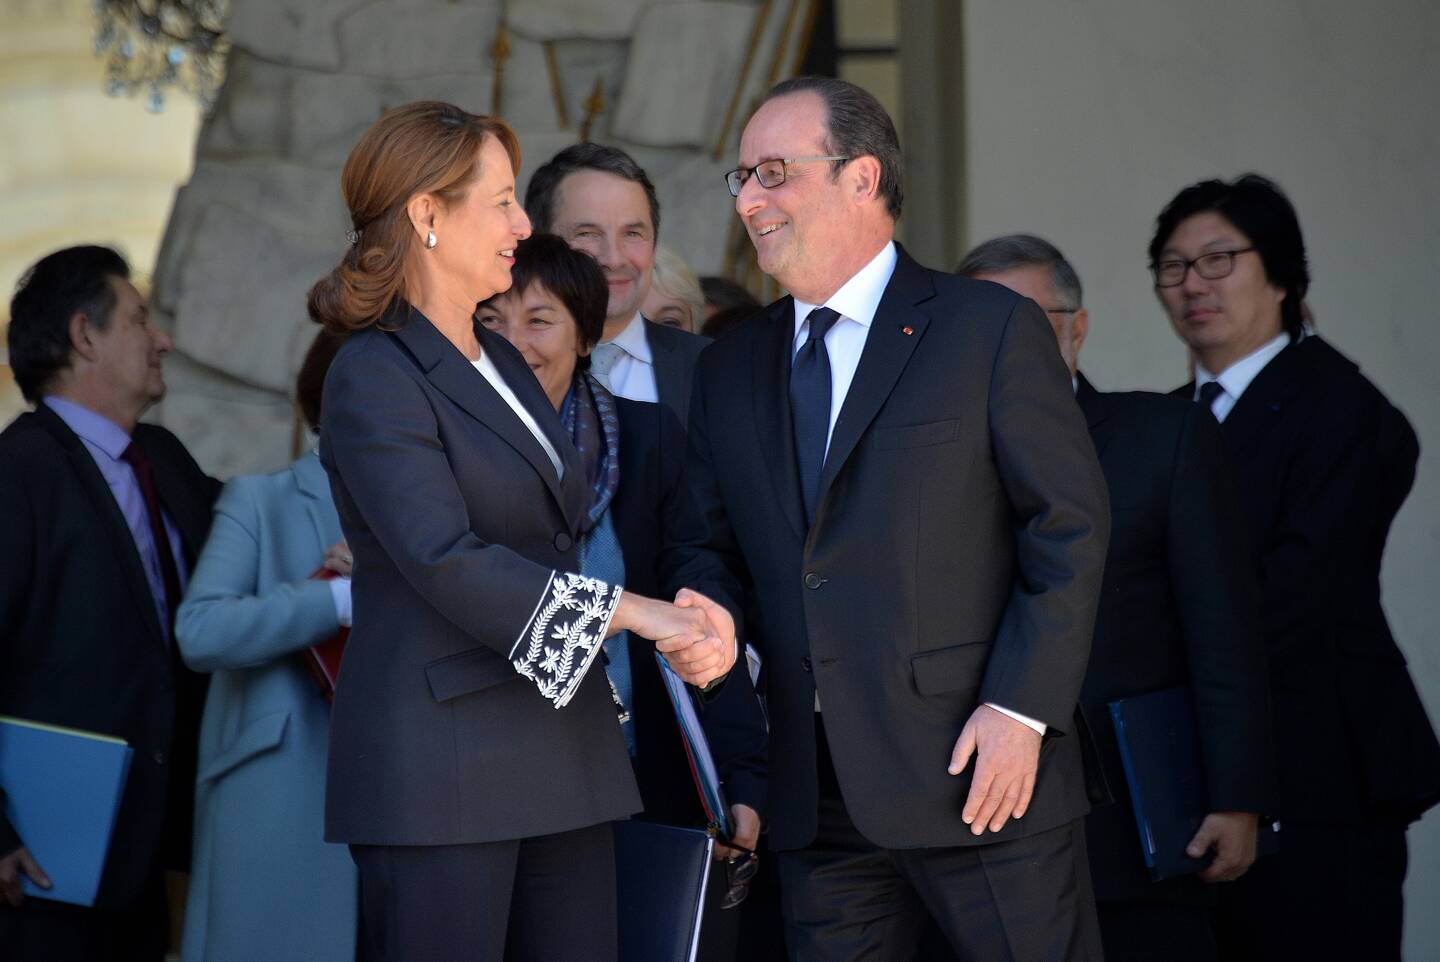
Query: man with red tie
[{"x": 100, "y": 520}]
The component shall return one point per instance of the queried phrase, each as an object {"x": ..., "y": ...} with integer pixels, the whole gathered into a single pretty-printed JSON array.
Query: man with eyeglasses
[
  {"x": 1179, "y": 607},
  {"x": 890, "y": 461},
  {"x": 1324, "y": 462}
]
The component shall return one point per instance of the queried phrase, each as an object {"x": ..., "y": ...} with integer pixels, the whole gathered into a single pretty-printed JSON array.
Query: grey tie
[{"x": 603, "y": 358}]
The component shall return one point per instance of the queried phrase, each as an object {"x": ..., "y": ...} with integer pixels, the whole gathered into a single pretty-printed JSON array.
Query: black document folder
[
  {"x": 1160, "y": 751},
  {"x": 662, "y": 873}
]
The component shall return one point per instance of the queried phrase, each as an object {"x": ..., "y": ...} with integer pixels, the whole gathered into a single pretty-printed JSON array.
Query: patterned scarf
[{"x": 588, "y": 416}]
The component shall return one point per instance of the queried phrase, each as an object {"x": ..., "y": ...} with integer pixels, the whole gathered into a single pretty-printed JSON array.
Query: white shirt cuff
[
  {"x": 340, "y": 593},
  {"x": 1039, "y": 726}
]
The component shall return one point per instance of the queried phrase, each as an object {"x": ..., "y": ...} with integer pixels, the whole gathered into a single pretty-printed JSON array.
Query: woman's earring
[{"x": 431, "y": 241}]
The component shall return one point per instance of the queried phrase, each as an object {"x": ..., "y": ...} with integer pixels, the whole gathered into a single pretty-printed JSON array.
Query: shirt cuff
[
  {"x": 340, "y": 593},
  {"x": 560, "y": 641},
  {"x": 1025, "y": 720}
]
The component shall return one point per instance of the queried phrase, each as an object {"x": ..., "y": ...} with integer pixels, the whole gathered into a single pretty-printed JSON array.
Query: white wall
[{"x": 1084, "y": 118}]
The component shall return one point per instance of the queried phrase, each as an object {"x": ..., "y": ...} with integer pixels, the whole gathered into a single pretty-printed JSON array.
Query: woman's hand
[
  {"x": 695, "y": 635},
  {"x": 338, "y": 559}
]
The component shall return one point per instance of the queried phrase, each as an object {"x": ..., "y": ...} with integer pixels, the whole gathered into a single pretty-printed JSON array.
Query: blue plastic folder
[
  {"x": 1160, "y": 752},
  {"x": 63, "y": 789}
]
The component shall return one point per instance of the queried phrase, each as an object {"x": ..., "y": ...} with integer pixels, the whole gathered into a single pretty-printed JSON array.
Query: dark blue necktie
[
  {"x": 810, "y": 405},
  {"x": 1209, "y": 391}
]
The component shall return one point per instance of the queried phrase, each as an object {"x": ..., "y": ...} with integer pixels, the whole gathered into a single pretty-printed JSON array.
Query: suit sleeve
[
  {"x": 17, "y": 547},
  {"x": 1217, "y": 599},
  {"x": 224, "y": 622},
  {"x": 1050, "y": 474},
  {"x": 1330, "y": 483},
  {"x": 701, "y": 551},
  {"x": 382, "y": 443},
  {"x": 733, "y": 721}
]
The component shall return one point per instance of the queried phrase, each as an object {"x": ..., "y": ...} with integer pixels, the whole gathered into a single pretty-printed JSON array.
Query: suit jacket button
[
  {"x": 159, "y": 758},
  {"x": 812, "y": 580},
  {"x": 805, "y": 662},
  {"x": 563, "y": 542}
]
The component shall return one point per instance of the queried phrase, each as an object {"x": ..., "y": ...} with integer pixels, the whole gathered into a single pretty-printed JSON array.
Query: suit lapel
[
  {"x": 314, "y": 488},
  {"x": 771, "y": 398},
  {"x": 111, "y": 519},
  {"x": 1096, "y": 410},
  {"x": 899, "y": 325},
  {"x": 669, "y": 376},
  {"x": 455, "y": 377},
  {"x": 1257, "y": 410}
]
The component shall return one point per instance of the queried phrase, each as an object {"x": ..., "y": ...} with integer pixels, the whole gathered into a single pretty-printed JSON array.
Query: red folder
[{"x": 323, "y": 659}]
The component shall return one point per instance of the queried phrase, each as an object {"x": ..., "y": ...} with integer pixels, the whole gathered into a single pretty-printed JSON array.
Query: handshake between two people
[{"x": 695, "y": 635}]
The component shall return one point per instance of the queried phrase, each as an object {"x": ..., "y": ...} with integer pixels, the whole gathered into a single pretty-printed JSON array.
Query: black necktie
[
  {"x": 145, "y": 474},
  {"x": 810, "y": 405},
  {"x": 1209, "y": 391}
]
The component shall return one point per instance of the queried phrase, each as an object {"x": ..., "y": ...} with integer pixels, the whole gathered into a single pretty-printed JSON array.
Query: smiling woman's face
[{"x": 542, "y": 330}]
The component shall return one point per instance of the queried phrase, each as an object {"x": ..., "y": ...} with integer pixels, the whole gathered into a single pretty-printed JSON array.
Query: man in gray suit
[{"x": 601, "y": 202}]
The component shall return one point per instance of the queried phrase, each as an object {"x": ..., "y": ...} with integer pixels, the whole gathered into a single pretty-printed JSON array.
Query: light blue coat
[{"x": 264, "y": 884}]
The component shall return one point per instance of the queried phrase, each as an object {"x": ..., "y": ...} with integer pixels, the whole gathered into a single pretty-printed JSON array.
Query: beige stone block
[
  {"x": 242, "y": 293},
  {"x": 575, "y": 19},
  {"x": 418, "y": 39},
  {"x": 684, "y": 62},
  {"x": 252, "y": 111},
  {"x": 230, "y": 428},
  {"x": 302, "y": 33},
  {"x": 291, "y": 199}
]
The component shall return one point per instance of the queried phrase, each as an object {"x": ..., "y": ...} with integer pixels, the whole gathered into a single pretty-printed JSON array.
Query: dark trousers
[
  {"x": 45, "y": 931},
  {"x": 1142, "y": 931},
  {"x": 845, "y": 898},
  {"x": 1331, "y": 892},
  {"x": 545, "y": 899}
]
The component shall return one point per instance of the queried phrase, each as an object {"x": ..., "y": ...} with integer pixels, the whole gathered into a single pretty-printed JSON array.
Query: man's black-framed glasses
[
  {"x": 770, "y": 173},
  {"x": 1212, "y": 266},
  {"x": 739, "y": 873}
]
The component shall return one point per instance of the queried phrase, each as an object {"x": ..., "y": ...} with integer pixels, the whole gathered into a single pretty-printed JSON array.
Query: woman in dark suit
[{"x": 474, "y": 757}]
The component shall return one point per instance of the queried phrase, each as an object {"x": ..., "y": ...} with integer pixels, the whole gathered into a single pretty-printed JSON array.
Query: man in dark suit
[
  {"x": 602, "y": 202},
  {"x": 100, "y": 520},
  {"x": 1179, "y": 606},
  {"x": 1324, "y": 462},
  {"x": 923, "y": 591}
]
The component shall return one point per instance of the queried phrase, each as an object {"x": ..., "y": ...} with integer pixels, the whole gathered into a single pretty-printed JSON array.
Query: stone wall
[{"x": 262, "y": 218}]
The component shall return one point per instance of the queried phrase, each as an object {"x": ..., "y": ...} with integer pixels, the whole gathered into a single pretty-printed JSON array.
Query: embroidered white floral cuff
[{"x": 565, "y": 633}]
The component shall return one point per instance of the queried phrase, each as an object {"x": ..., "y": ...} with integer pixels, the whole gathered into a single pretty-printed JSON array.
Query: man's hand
[
  {"x": 1233, "y": 836},
  {"x": 746, "y": 822},
  {"x": 685, "y": 633},
  {"x": 1005, "y": 766},
  {"x": 714, "y": 657},
  {"x": 339, "y": 560},
  {"x": 11, "y": 866}
]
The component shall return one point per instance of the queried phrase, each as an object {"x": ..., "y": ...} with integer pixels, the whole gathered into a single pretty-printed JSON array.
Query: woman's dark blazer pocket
[
  {"x": 916, "y": 435},
  {"x": 949, "y": 669},
  {"x": 466, "y": 673}
]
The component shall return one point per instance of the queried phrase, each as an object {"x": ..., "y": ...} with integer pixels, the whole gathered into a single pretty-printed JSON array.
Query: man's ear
[
  {"x": 1080, "y": 330},
  {"x": 82, "y": 340},
  {"x": 865, "y": 177}
]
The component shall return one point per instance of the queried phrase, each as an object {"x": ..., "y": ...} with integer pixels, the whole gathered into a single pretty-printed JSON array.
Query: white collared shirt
[
  {"x": 633, "y": 375},
  {"x": 856, "y": 302},
  {"x": 1237, "y": 377},
  {"x": 492, "y": 374}
]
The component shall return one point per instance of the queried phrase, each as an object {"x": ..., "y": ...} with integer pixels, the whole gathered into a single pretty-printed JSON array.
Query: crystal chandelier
[{"x": 152, "y": 45}]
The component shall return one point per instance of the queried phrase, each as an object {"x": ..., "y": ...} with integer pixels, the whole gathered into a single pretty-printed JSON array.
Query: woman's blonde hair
[{"x": 674, "y": 277}]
